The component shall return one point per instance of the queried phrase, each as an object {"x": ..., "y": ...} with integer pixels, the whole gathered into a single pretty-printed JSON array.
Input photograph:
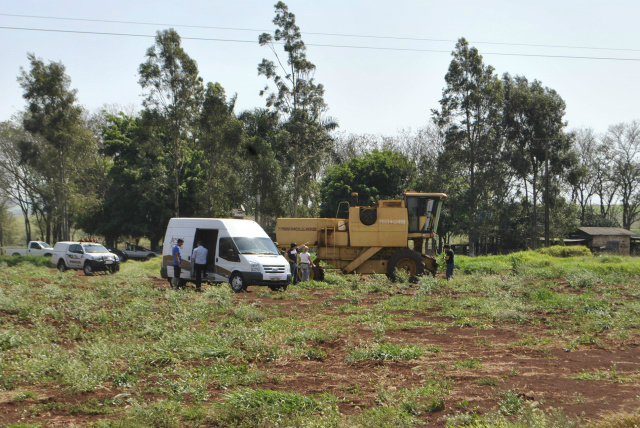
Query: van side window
[
  {"x": 75, "y": 249},
  {"x": 227, "y": 244}
]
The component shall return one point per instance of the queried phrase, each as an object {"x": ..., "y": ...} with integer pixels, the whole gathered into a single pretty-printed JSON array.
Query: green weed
[{"x": 385, "y": 351}]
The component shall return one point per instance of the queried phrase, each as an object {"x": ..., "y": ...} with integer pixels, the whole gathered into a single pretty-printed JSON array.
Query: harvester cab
[{"x": 394, "y": 234}]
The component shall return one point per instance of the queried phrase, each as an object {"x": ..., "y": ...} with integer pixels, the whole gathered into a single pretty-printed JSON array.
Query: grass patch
[{"x": 385, "y": 351}]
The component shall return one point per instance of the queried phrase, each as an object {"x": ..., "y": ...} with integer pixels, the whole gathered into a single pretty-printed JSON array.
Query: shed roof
[{"x": 606, "y": 231}]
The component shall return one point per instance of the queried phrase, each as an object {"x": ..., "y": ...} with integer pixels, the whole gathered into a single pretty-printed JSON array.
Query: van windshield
[{"x": 256, "y": 246}]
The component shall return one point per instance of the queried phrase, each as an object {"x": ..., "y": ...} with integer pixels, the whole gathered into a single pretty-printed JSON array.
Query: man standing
[
  {"x": 292, "y": 255},
  {"x": 200, "y": 261},
  {"x": 177, "y": 263},
  {"x": 449, "y": 256}
]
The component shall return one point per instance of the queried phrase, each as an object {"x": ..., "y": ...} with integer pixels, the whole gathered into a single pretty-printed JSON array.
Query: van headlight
[{"x": 255, "y": 267}]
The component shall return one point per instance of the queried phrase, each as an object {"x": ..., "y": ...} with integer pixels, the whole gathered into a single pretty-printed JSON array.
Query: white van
[{"x": 240, "y": 253}]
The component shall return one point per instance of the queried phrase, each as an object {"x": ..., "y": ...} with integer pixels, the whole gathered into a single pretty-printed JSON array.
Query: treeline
[{"x": 498, "y": 146}]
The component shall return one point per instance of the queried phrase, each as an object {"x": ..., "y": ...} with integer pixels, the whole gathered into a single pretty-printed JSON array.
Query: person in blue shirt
[
  {"x": 200, "y": 263},
  {"x": 177, "y": 263}
]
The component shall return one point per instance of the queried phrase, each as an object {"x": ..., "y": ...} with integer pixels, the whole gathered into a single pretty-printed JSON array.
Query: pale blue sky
[{"x": 367, "y": 90}]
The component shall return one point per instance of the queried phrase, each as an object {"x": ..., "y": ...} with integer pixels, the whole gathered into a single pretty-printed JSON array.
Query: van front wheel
[{"x": 237, "y": 283}]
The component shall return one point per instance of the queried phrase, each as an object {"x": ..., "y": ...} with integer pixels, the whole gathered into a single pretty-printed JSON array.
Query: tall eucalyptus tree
[
  {"x": 299, "y": 100},
  {"x": 469, "y": 117}
]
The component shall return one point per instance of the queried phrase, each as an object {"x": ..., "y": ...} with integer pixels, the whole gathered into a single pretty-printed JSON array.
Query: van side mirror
[{"x": 231, "y": 255}]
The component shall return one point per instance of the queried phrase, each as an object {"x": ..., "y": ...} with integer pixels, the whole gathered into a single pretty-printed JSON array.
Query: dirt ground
[{"x": 539, "y": 374}]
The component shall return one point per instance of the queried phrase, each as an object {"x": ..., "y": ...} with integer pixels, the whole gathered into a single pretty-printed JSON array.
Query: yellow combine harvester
[{"x": 395, "y": 234}]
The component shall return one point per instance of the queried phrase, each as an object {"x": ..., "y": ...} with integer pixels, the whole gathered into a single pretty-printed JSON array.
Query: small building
[{"x": 609, "y": 239}]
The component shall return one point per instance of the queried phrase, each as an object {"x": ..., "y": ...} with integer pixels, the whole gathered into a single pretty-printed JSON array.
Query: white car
[{"x": 87, "y": 256}]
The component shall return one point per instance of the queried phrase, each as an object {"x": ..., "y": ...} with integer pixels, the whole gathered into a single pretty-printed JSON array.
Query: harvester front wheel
[{"x": 407, "y": 260}]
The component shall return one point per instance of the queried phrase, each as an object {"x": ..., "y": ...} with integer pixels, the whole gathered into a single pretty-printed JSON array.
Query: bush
[
  {"x": 30, "y": 260},
  {"x": 563, "y": 251}
]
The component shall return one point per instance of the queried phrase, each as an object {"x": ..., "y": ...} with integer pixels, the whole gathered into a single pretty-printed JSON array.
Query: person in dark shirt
[
  {"x": 292, "y": 257},
  {"x": 449, "y": 256}
]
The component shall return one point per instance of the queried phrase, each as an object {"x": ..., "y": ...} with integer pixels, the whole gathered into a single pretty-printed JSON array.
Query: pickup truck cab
[
  {"x": 35, "y": 248},
  {"x": 87, "y": 256}
]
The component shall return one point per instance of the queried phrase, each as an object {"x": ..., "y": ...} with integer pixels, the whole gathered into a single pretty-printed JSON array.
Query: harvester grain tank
[{"x": 394, "y": 234}]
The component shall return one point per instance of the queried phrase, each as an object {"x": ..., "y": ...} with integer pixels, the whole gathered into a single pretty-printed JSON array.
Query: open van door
[{"x": 209, "y": 238}]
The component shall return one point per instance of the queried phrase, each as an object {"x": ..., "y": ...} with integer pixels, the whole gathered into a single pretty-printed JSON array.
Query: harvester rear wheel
[{"x": 408, "y": 260}]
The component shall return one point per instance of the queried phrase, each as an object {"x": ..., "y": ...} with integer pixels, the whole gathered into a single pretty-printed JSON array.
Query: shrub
[
  {"x": 563, "y": 251},
  {"x": 582, "y": 278},
  {"x": 386, "y": 351}
]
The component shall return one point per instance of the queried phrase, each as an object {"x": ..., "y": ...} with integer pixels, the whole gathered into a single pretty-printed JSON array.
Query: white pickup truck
[
  {"x": 35, "y": 248},
  {"x": 87, "y": 256}
]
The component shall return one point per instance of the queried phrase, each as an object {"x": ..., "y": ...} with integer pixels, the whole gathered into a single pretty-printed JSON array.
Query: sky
[{"x": 382, "y": 63}]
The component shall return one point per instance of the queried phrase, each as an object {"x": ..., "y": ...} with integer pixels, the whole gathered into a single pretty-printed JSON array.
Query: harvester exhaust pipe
[{"x": 354, "y": 199}]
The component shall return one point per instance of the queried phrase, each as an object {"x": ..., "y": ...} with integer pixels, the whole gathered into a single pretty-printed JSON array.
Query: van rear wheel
[
  {"x": 61, "y": 266},
  {"x": 237, "y": 283}
]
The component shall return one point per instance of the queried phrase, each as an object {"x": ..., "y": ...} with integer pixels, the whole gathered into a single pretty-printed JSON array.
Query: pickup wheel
[
  {"x": 87, "y": 269},
  {"x": 48, "y": 255},
  {"x": 61, "y": 266},
  {"x": 15, "y": 254},
  {"x": 237, "y": 283},
  {"x": 279, "y": 287}
]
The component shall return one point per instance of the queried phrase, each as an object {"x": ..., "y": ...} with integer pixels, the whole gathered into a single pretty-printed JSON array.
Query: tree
[
  {"x": 262, "y": 169},
  {"x": 624, "y": 140},
  {"x": 214, "y": 173},
  {"x": 533, "y": 126},
  {"x": 138, "y": 200},
  {"x": 591, "y": 176},
  {"x": 300, "y": 102},
  {"x": 53, "y": 114},
  {"x": 17, "y": 180},
  {"x": 172, "y": 103},
  {"x": 374, "y": 176},
  {"x": 469, "y": 116}
]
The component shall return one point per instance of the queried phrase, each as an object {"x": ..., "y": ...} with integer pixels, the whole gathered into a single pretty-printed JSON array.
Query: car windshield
[
  {"x": 94, "y": 248},
  {"x": 256, "y": 246},
  {"x": 45, "y": 245}
]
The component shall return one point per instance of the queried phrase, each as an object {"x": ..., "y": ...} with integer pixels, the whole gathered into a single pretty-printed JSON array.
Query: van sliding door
[{"x": 209, "y": 238}]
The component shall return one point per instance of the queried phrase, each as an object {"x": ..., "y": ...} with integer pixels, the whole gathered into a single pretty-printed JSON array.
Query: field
[{"x": 534, "y": 339}]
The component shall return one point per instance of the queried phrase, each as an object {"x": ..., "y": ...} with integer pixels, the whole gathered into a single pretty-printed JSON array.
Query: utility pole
[
  {"x": 546, "y": 195},
  {"x": 546, "y": 187}
]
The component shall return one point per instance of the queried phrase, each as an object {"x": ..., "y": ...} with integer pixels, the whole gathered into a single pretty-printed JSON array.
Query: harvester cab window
[{"x": 422, "y": 213}]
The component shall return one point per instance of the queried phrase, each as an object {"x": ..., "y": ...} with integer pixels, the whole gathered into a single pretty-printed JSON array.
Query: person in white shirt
[
  {"x": 305, "y": 263},
  {"x": 200, "y": 263}
]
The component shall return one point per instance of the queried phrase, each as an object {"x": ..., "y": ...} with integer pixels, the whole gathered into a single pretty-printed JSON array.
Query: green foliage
[
  {"x": 374, "y": 176},
  {"x": 56, "y": 158},
  {"x": 26, "y": 260},
  {"x": 510, "y": 403},
  {"x": 469, "y": 116},
  {"x": 582, "y": 278},
  {"x": 299, "y": 100},
  {"x": 385, "y": 351},
  {"x": 260, "y": 407},
  {"x": 563, "y": 251}
]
